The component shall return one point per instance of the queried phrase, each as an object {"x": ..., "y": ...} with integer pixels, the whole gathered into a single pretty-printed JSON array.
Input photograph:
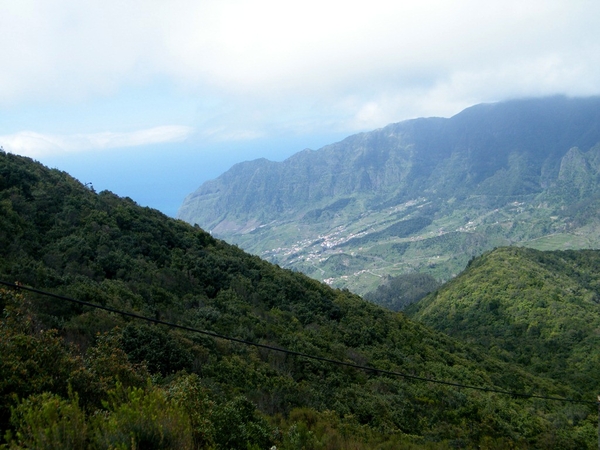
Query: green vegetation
[
  {"x": 399, "y": 292},
  {"x": 401, "y": 229},
  {"x": 536, "y": 309},
  {"x": 77, "y": 377}
]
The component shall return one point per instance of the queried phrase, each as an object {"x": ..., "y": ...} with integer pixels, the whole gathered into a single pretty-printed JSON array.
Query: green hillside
[
  {"x": 396, "y": 293},
  {"x": 536, "y": 309},
  {"x": 76, "y": 377}
]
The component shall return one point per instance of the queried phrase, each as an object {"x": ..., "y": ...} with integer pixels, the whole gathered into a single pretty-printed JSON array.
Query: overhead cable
[{"x": 292, "y": 352}]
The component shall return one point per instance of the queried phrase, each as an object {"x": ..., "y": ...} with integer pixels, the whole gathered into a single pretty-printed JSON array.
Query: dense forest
[
  {"x": 72, "y": 376},
  {"x": 397, "y": 293},
  {"x": 536, "y": 309}
]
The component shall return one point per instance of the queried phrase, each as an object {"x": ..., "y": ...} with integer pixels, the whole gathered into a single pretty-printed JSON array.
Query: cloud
[
  {"x": 352, "y": 64},
  {"x": 29, "y": 143},
  {"x": 222, "y": 134}
]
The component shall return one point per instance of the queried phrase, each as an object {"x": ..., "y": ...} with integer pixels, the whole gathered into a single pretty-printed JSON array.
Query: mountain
[
  {"x": 421, "y": 195},
  {"x": 72, "y": 376},
  {"x": 533, "y": 308}
]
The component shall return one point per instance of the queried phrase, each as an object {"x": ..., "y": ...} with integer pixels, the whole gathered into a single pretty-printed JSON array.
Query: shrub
[
  {"x": 46, "y": 421},
  {"x": 138, "y": 419}
]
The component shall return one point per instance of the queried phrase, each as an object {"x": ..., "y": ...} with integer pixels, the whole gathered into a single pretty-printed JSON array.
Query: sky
[{"x": 150, "y": 98}]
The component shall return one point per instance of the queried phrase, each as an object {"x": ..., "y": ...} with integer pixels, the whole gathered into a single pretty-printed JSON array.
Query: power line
[{"x": 295, "y": 353}]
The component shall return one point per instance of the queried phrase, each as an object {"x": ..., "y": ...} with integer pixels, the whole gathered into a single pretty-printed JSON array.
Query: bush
[
  {"x": 45, "y": 421},
  {"x": 158, "y": 349},
  {"x": 238, "y": 426},
  {"x": 138, "y": 419}
]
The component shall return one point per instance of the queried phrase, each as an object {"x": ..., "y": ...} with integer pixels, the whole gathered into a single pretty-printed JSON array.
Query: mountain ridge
[{"x": 463, "y": 170}]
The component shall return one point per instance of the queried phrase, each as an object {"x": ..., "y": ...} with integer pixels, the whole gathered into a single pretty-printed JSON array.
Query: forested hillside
[
  {"x": 536, "y": 309},
  {"x": 397, "y": 293},
  {"x": 76, "y": 377}
]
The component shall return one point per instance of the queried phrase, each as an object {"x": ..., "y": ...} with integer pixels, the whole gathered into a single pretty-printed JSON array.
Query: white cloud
[
  {"x": 222, "y": 134},
  {"x": 352, "y": 64},
  {"x": 29, "y": 143}
]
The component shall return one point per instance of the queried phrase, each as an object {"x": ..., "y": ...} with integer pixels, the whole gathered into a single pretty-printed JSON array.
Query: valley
[
  {"x": 424, "y": 195},
  {"x": 404, "y": 200},
  {"x": 102, "y": 377},
  {"x": 354, "y": 254}
]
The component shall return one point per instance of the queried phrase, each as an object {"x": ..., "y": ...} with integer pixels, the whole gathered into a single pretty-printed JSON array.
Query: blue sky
[{"x": 151, "y": 98}]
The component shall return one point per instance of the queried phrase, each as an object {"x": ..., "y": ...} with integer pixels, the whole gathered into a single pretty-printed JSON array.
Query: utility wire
[{"x": 295, "y": 353}]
